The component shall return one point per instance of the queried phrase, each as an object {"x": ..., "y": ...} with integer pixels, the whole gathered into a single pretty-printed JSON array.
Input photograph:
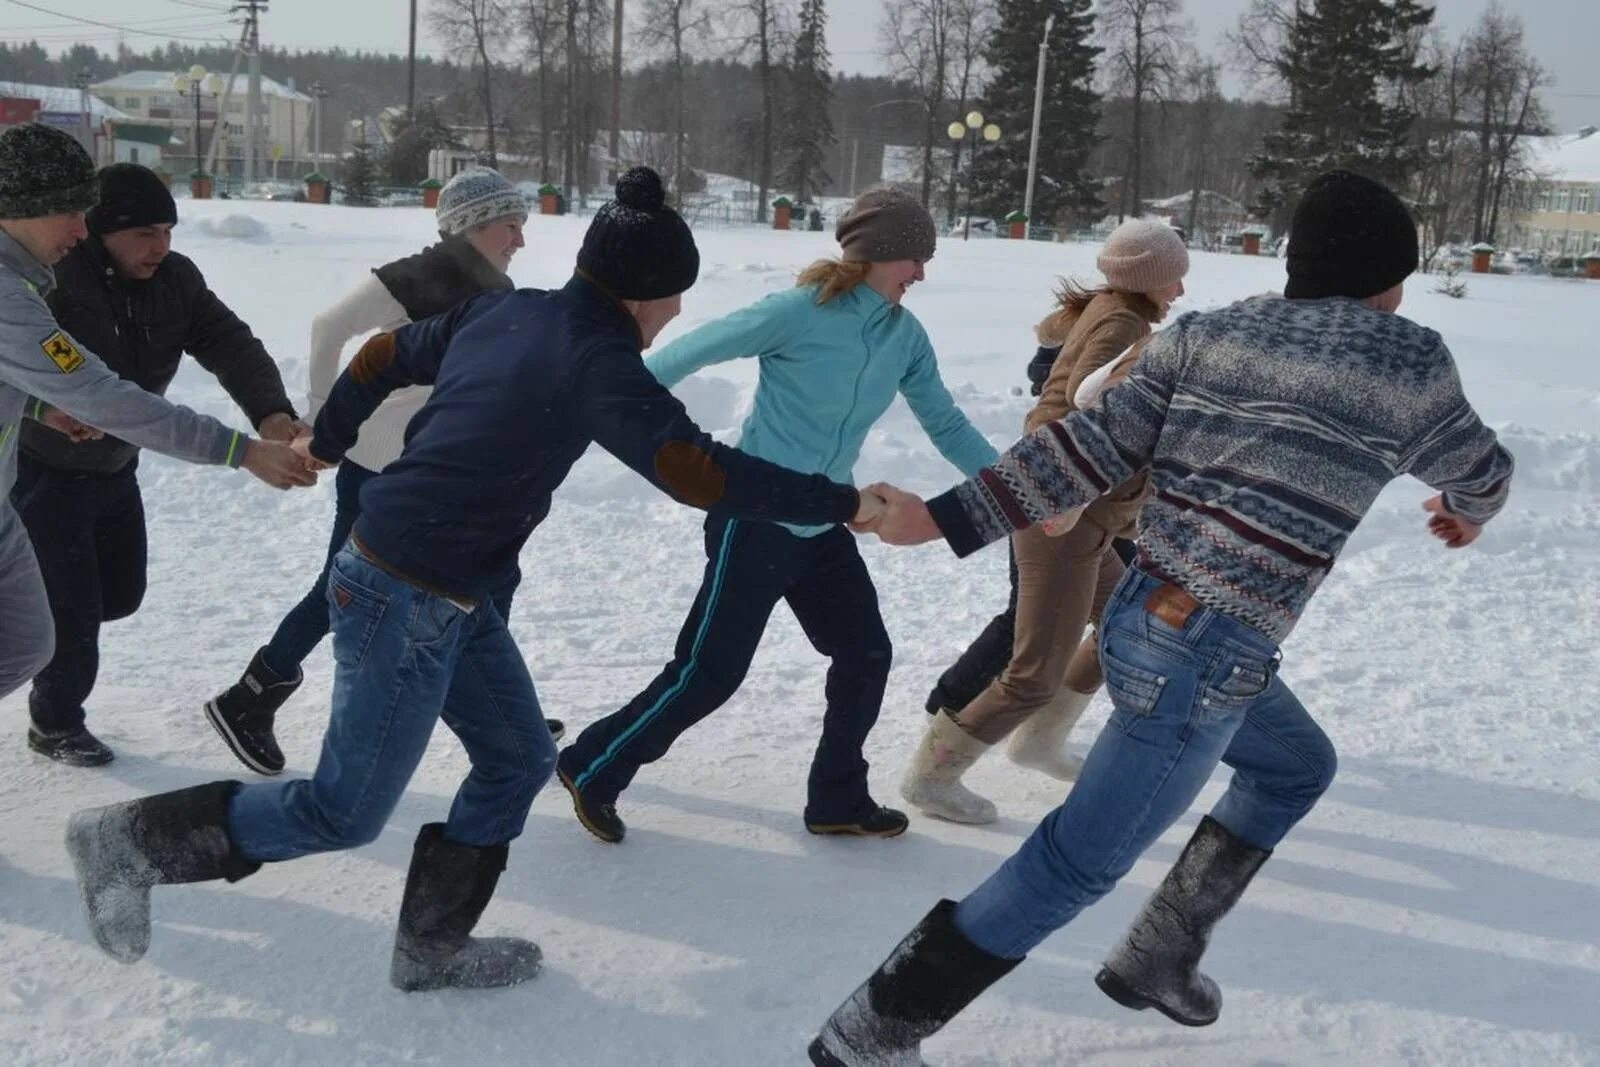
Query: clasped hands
[{"x": 897, "y": 517}]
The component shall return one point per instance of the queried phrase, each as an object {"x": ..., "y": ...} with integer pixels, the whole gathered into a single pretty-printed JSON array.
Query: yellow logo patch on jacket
[{"x": 62, "y": 352}]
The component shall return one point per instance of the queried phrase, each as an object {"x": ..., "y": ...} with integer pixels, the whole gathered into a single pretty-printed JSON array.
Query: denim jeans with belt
[
  {"x": 404, "y": 658},
  {"x": 1185, "y": 698}
]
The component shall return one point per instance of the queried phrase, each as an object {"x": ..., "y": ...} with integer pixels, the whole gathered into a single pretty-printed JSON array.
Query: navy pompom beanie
[{"x": 637, "y": 247}]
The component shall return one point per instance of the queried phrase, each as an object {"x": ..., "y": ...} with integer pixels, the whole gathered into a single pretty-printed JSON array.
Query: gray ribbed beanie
[{"x": 1143, "y": 255}]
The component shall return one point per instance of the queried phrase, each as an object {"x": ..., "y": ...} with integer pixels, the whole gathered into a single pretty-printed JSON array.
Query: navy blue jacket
[{"x": 523, "y": 381}]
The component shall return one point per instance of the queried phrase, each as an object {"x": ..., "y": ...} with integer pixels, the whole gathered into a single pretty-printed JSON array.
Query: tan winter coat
[{"x": 1106, "y": 328}]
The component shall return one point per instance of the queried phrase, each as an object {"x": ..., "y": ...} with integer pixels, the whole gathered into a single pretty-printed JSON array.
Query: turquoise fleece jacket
[{"x": 827, "y": 373}]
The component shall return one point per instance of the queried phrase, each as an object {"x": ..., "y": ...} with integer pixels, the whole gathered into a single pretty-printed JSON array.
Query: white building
[
  {"x": 1562, "y": 216},
  {"x": 64, "y": 107},
  {"x": 149, "y": 96}
]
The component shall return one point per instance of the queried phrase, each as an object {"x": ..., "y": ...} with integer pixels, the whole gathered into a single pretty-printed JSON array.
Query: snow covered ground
[{"x": 1442, "y": 905}]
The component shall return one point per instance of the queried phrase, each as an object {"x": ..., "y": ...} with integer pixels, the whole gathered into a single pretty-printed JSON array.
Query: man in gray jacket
[{"x": 47, "y": 183}]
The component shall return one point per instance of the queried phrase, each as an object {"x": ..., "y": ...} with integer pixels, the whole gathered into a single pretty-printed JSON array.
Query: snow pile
[
  {"x": 236, "y": 228},
  {"x": 1441, "y": 906}
]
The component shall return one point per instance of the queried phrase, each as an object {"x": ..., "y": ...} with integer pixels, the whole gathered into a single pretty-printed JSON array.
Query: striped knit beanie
[
  {"x": 477, "y": 196},
  {"x": 1142, "y": 256}
]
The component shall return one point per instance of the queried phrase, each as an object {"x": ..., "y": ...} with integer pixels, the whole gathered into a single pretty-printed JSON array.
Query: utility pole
[
  {"x": 1038, "y": 113},
  {"x": 411, "y": 65},
  {"x": 616, "y": 91},
  {"x": 252, "y": 125}
]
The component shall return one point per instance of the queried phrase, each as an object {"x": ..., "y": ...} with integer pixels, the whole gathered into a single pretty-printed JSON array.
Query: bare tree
[
  {"x": 916, "y": 42},
  {"x": 974, "y": 22},
  {"x": 541, "y": 23},
  {"x": 1206, "y": 105},
  {"x": 1503, "y": 82},
  {"x": 1257, "y": 42},
  {"x": 473, "y": 27},
  {"x": 1445, "y": 177},
  {"x": 1144, "y": 42},
  {"x": 759, "y": 32},
  {"x": 668, "y": 27}
]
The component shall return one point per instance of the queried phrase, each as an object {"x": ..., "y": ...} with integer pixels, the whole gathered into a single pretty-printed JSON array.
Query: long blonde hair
[
  {"x": 833, "y": 277},
  {"x": 1071, "y": 300}
]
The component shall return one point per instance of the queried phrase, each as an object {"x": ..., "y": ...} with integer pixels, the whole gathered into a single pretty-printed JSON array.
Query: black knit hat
[
  {"x": 1350, "y": 237},
  {"x": 131, "y": 195},
  {"x": 637, "y": 247},
  {"x": 44, "y": 171}
]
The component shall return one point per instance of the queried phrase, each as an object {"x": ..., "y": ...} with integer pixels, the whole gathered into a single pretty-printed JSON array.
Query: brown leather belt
[
  {"x": 1171, "y": 604},
  {"x": 464, "y": 603}
]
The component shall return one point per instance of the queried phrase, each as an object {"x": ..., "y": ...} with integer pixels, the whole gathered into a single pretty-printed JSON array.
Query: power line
[{"x": 111, "y": 25}]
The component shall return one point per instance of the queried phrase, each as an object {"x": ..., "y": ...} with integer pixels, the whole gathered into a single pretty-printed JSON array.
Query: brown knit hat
[
  {"x": 885, "y": 224},
  {"x": 1143, "y": 255}
]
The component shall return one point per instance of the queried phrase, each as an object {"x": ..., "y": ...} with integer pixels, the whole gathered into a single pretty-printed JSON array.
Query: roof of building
[
  {"x": 61, "y": 99},
  {"x": 161, "y": 80},
  {"x": 1568, "y": 157}
]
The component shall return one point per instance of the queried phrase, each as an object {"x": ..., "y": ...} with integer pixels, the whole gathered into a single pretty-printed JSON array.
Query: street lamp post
[
  {"x": 1038, "y": 111},
  {"x": 191, "y": 82},
  {"x": 82, "y": 80},
  {"x": 977, "y": 128},
  {"x": 318, "y": 92}
]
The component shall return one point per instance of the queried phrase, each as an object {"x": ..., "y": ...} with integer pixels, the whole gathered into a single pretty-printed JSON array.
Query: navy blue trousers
[
  {"x": 750, "y": 567},
  {"x": 89, "y": 536}
]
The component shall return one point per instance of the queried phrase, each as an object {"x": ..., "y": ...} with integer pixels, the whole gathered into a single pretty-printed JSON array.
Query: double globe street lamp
[
  {"x": 976, "y": 128},
  {"x": 191, "y": 82}
]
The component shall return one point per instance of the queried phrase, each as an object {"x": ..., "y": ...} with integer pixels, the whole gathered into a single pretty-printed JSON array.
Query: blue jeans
[
  {"x": 405, "y": 658},
  {"x": 306, "y": 624},
  {"x": 1185, "y": 699}
]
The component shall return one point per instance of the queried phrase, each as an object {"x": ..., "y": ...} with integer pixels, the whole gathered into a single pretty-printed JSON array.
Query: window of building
[
  {"x": 1563, "y": 199},
  {"x": 131, "y": 103},
  {"x": 1542, "y": 201},
  {"x": 1582, "y": 198},
  {"x": 133, "y": 155}
]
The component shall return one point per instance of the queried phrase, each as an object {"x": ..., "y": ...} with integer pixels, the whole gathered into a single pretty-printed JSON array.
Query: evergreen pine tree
[
  {"x": 1068, "y": 125},
  {"x": 359, "y": 172},
  {"x": 1344, "y": 62},
  {"x": 808, "y": 133},
  {"x": 415, "y": 135}
]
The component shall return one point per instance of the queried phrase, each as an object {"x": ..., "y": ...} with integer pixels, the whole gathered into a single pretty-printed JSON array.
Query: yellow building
[{"x": 1562, "y": 217}]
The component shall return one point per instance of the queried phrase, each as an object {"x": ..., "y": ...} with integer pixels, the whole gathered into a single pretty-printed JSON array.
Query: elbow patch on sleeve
[
  {"x": 374, "y": 357},
  {"x": 690, "y": 474}
]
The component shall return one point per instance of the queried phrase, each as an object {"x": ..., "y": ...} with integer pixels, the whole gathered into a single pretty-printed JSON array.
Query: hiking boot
[
  {"x": 599, "y": 819},
  {"x": 243, "y": 715},
  {"x": 75, "y": 748},
  {"x": 880, "y": 822}
]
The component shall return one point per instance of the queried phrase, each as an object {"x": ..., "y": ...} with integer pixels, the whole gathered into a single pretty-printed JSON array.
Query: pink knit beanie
[{"x": 1143, "y": 255}]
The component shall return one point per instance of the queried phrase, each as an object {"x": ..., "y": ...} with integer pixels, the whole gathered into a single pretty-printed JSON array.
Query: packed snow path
[{"x": 1441, "y": 906}]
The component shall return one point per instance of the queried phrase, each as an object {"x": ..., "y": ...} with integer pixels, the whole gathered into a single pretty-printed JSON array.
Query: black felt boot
[
  {"x": 1157, "y": 965},
  {"x": 121, "y": 850},
  {"x": 447, "y": 889},
  {"x": 927, "y": 980}
]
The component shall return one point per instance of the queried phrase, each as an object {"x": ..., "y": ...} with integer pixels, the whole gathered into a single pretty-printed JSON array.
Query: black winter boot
[
  {"x": 927, "y": 980},
  {"x": 121, "y": 850},
  {"x": 244, "y": 712},
  {"x": 1157, "y": 964},
  {"x": 447, "y": 889}
]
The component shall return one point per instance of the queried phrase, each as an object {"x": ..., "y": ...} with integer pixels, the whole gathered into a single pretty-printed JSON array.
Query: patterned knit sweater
[{"x": 1270, "y": 427}]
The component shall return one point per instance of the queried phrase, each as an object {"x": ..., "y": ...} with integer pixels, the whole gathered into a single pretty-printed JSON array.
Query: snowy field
[{"x": 1441, "y": 906}]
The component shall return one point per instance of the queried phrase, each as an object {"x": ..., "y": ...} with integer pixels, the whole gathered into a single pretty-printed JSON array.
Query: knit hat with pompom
[
  {"x": 1142, "y": 256},
  {"x": 637, "y": 246}
]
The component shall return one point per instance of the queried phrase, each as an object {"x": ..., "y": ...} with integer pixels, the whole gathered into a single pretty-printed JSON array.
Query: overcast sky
[{"x": 1565, "y": 34}]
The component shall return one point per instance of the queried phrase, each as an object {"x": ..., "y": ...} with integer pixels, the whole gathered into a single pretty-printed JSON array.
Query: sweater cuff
[{"x": 950, "y": 515}]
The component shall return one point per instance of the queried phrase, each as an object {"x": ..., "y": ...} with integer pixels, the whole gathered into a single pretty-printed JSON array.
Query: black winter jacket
[{"x": 141, "y": 329}]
